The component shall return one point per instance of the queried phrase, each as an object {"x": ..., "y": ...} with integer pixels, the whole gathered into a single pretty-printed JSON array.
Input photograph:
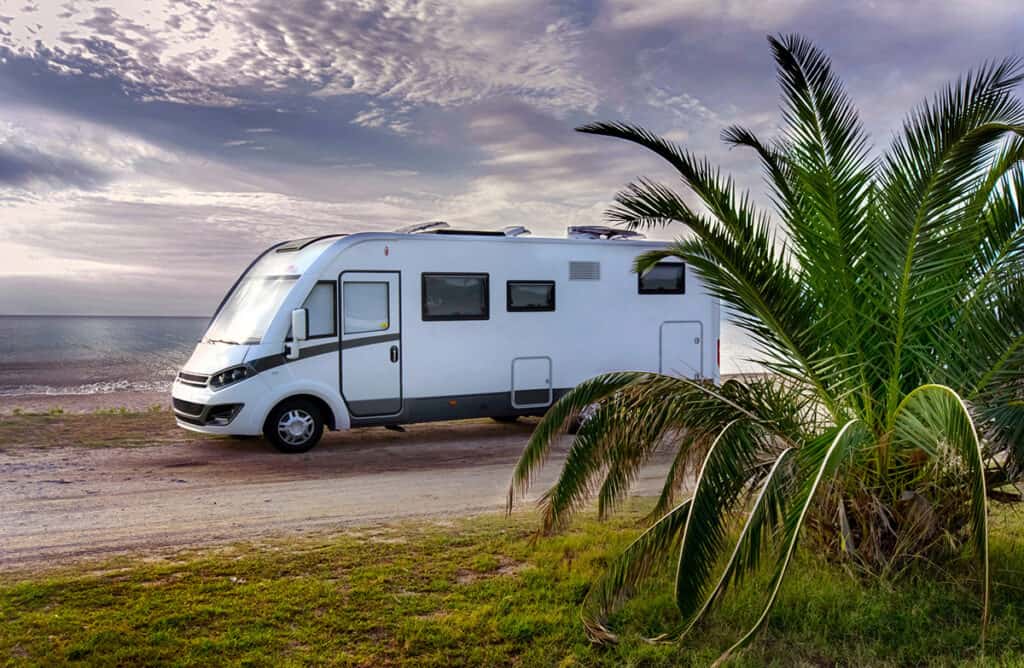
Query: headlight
[{"x": 232, "y": 375}]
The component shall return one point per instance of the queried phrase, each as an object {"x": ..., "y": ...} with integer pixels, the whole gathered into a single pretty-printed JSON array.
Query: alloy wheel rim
[{"x": 295, "y": 427}]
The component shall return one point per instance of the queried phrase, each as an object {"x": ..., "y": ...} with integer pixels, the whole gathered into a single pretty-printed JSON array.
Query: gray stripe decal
[
  {"x": 321, "y": 349},
  {"x": 271, "y": 361},
  {"x": 369, "y": 341}
]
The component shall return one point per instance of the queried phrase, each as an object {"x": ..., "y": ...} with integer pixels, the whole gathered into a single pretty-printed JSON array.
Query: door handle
[{"x": 394, "y": 353}]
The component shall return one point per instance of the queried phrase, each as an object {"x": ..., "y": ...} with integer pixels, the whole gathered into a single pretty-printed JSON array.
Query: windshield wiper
[{"x": 234, "y": 343}]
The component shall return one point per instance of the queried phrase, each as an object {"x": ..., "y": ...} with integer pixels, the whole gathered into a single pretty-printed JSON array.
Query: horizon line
[{"x": 93, "y": 315}]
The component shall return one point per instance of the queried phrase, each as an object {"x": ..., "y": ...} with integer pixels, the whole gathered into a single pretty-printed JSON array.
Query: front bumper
[{"x": 233, "y": 411}]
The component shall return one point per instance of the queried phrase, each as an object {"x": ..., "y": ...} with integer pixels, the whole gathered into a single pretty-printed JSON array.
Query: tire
[
  {"x": 505, "y": 419},
  {"x": 294, "y": 426}
]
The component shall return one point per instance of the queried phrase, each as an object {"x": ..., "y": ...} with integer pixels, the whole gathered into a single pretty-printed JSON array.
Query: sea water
[{"x": 63, "y": 355}]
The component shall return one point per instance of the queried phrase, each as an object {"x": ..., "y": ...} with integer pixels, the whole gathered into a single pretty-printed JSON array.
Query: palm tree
[{"x": 886, "y": 299}]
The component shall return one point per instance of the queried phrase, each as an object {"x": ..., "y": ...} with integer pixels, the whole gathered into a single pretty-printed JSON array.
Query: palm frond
[
  {"x": 724, "y": 475},
  {"x": 763, "y": 520},
  {"x": 630, "y": 569},
  {"x": 567, "y": 408},
  {"x": 815, "y": 464},
  {"x": 934, "y": 418}
]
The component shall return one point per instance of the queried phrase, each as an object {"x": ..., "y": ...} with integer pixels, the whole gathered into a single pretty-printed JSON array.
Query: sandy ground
[{"x": 65, "y": 503}]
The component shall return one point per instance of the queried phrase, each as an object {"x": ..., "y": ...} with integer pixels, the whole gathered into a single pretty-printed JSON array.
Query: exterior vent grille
[
  {"x": 187, "y": 407},
  {"x": 193, "y": 379},
  {"x": 584, "y": 271}
]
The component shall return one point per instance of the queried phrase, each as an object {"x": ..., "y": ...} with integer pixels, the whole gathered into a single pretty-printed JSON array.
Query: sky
[{"x": 149, "y": 150}]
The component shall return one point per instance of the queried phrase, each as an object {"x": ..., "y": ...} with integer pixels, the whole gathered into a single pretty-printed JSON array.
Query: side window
[
  {"x": 456, "y": 297},
  {"x": 664, "y": 278},
  {"x": 530, "y": 296},
  {"x": 365, "y": 306},
  {"x": 320, "y": 307}
]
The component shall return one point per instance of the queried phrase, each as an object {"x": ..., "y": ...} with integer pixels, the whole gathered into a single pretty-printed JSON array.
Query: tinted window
[
  {"x": 365, "y": 305},
  {"x": 664, "y": 278},
  {"x": 455, "y": 297},
  {"x": 531, "y": 296}
]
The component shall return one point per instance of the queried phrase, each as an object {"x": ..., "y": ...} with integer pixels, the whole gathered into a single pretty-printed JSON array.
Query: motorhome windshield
[
  {"x": 252, "y": 305},
  {"x": 250, "y": 308}
]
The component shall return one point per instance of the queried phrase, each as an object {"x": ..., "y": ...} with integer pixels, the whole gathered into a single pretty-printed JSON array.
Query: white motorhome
[{"x": 433, "y": 323}]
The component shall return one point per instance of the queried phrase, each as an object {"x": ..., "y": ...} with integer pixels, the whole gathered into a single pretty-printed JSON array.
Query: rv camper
[{"x": 434, "y": 323}]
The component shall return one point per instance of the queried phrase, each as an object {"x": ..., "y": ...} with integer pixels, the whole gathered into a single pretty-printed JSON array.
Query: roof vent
[
  {"x": 423, "y": 227},
  {"x": 515, "y": 231},
  {"x": 584, "y": 271},
  {"x": 601, "y": 232}
]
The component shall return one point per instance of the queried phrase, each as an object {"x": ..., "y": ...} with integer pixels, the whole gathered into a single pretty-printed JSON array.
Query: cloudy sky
[{"x": 149, "y": 149}]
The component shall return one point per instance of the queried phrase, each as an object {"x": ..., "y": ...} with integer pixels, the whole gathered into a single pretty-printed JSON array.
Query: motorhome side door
[
  {"x": 371, "y": 342},
  {"x": 681, "y": 350}
]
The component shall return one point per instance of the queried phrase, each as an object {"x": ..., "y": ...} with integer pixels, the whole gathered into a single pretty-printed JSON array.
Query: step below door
[
  {"x": 531, "y": 382},
  {"x": 682, "y": 349}
]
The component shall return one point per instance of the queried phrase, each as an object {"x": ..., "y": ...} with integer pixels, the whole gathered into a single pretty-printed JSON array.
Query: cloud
[
  {"x": 25, "y": 166},
  {"x": 415, "y": 52},
  {"x": 646, "y": 14},
  {"x": 375, "y": 116},
  {"x": 40, "y": 151}
]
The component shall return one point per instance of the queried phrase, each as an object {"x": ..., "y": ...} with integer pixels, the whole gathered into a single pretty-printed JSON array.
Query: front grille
[
  {"x": 187, "y": 407},
  {"x": 194, "y": 379}
]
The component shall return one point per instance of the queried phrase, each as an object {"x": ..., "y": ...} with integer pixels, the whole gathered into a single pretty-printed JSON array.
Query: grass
[{"x": 478, "y": 592}]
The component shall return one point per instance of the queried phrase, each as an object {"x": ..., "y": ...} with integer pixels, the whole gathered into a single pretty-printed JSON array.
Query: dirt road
[{"x": 64, "y": 503}]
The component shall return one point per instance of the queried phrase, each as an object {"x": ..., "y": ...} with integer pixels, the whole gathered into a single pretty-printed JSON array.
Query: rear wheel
[{"x": 294, "y": 426}]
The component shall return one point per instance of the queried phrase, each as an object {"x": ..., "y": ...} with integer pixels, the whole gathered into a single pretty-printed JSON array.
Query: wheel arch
[{"x": 334, "y": 414}]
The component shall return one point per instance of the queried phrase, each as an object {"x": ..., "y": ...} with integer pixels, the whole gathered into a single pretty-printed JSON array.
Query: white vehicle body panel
[{"x": 403, "y": 368}]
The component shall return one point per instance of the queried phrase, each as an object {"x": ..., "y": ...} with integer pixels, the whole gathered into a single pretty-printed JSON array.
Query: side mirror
[
  {"x": 300, "y": 322},
  {"x": 300, "y": 332}
]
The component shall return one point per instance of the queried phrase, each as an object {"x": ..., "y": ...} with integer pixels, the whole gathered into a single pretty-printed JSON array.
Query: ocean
[{"x": 83, "y": 355}]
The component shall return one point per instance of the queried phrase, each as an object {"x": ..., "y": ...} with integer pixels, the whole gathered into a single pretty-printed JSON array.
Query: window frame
[
  {"x": 387, "y": 293},
  {"x": 456, "y": 274},
  {"x": 529, "y": 309},
  {"x": 650, "y": 291}
]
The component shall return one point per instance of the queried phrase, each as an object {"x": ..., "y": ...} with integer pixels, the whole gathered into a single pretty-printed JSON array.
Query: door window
[{"x": 366, "y": 307}]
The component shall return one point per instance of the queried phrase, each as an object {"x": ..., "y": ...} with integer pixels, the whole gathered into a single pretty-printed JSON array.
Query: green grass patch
[
  {"x": 119, "y": 428},
  {"x": 479, "y": 592}
]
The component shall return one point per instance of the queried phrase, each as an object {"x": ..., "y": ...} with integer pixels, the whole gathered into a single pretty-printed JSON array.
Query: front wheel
[{"x": 294, "y": 426}]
